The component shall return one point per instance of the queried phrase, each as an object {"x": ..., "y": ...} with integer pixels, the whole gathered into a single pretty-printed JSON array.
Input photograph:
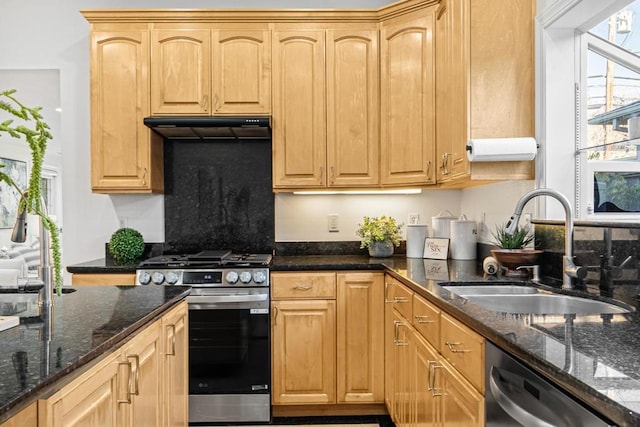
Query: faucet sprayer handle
[{"x": 575, "y": 271}]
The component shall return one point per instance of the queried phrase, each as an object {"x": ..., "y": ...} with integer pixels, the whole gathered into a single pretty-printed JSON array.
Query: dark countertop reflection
[{"x": 83, "y": 325}]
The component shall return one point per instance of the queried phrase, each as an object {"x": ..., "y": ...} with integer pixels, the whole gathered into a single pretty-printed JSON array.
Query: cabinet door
[
  {"x": 461, "y": 404},
  {"x": 360, "y": 337},
  {"x": 176, "y": 366},
  {"x": 304, "y": 351},
  {"x": 90, "y": 400},
  {"x": 403, "y": 371},
  {"x": 180, "y": 71},
  {"x": 389, "y": 363},
  {"x": 407, "y": 98},
  {"x": 299, "y": 125},
  {"x": 143, "y": 358},
  {"x": 427, "y": 397},
  {"x": 242, "y": 71},
  {"x": 352, "y": 108},
  {"x": 103, "y": 279},
  {"x": 122, "y": 158},
  {"x": 452, "y": 98}
]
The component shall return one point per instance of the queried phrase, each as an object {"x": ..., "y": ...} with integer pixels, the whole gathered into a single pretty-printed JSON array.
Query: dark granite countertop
[
  {"x": 99, "y": 266},
  {"x": 85, "y": 323},
  {"x": 593, "y": 357}
]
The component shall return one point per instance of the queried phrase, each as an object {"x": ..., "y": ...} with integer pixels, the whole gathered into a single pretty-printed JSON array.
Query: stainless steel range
[{"x": 229, "y": 331}]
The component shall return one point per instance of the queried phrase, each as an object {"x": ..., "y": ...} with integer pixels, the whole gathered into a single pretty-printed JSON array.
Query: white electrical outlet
[
  {"x": 123, "y": 222},
  {"x": 413, "y": 218},
  {"x": 527, "y": 218},
  {"x": 333, "y": 223}
]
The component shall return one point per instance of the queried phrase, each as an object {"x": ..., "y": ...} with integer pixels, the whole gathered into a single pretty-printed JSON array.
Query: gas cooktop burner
[{"x": 207, "y": 259}]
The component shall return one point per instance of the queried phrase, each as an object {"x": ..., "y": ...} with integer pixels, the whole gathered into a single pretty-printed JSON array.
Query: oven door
[{"x": 229, "y": 355}]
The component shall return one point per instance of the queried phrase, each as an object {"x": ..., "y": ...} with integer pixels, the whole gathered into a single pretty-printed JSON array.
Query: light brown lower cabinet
[
  {"x": 425, "y": 388},
  {"x": 103, "y": 279},
  {"x": 130, "y": 386},
  {"x": 327, "y": 337}
]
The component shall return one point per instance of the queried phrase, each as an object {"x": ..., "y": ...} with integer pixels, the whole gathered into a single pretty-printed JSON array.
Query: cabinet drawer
[
  {"x": 303, "y": 285},
  {"x": 399, "y": 296},
  {"x": 426, "y": 319},
  {"x": 464, "y": 349}
]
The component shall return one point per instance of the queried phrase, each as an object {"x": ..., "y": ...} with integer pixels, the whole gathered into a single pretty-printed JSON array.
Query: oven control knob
[
  {"x": 231, "y": 277},
  {"x": 259, "y": 277},
  {"x": 245, "y": 277},
  {"x": 144, "y": 278},
  {"x": 172, "y": 278},
  {"x": 157, "y": 278}
]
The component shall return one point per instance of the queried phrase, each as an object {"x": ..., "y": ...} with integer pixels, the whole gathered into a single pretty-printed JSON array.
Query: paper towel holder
[{"x": 493, "y": 149}]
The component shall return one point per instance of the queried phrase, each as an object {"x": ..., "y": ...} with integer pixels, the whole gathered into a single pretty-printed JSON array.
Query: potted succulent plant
[
  {"x": 513, "y": 249},
  {"x": 379, "y": 235}
]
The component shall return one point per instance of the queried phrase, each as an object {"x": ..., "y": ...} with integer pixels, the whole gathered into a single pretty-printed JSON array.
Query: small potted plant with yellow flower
[{"x": 379, "y": 235}]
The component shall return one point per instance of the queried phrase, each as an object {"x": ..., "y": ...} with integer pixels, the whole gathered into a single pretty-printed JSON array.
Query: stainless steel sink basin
[
  {"x": 463, "y": 291},
  {"x": 524, "y": 299}
]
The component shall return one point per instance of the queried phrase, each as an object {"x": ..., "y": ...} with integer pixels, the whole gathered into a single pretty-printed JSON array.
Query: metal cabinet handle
[
  {"x": 129, "y": 377},
  {"x": 429, "y": 385},
  {"x": 435, "y": 391},
  {"x": 400, "y": 300},
  {"x": 452, "y": 347},
  {"x": 275, "y": 315},
  {"x": 172, "y": 352},
  {"x": 423, "y": 319},
  {"x": 303, "y": 287},
  {"x": 136, "y": 383},
  {"x": 386, "y": 293},
  {"x": 396, "y": 333}
]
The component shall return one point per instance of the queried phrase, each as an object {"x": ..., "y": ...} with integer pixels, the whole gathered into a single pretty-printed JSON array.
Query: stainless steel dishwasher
[{"x": 517, "y": 396}]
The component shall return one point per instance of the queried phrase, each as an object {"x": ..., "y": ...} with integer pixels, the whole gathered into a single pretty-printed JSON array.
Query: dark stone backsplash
[
  {"x": 218, "y": 195},
  {"x": 328, "y": 248},
  {"x": 609, "y": 251}
]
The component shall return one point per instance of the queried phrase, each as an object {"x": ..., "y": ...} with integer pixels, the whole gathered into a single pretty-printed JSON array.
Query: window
[{"x": 608, "y": 157}]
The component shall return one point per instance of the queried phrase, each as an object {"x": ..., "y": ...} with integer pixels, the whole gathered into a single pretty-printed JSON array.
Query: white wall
[
  {"x": 53, "y": 34},
  {"x": 305, "y": 217}
]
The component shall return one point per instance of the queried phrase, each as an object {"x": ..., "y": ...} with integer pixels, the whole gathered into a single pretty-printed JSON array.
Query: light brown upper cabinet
[
  {"x": 325, "y": 107},
  {"x": 125, "y": 157},
  {"x": 407, "y": 96},
  {"x": 485, "y": 84},
  {"x": 208, "y": 71}
]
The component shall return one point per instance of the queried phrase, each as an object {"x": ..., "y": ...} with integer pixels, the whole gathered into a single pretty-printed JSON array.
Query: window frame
[{"x": 584, "y": 179}]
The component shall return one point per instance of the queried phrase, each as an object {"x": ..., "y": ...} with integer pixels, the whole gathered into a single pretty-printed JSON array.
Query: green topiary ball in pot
[{"x": 126, "y": 246}]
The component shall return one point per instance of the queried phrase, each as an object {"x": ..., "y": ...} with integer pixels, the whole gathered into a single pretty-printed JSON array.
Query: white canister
[
  {"x": 463, "y": 240},
  {"x": 416, "y": 233},
  {"x": 440, "y": 224}
]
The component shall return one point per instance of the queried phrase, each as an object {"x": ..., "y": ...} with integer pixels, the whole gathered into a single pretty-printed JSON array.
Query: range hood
[{"x": 210, "y": 127}]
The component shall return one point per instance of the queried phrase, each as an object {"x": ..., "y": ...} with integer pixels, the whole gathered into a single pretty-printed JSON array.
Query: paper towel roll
[{"x": 501, "y": 149}]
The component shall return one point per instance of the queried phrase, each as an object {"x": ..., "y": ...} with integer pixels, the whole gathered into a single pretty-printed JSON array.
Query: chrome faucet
[
  {"x": 19, "y": 235},
  {"x": 569, "y": 269}
]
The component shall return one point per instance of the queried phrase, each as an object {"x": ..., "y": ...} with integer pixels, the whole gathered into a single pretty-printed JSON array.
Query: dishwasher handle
[{"x": 510, "y": 393}]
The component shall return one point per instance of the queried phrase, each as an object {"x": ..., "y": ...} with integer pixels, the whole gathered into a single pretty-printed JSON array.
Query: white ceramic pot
[
  {"x": 416, "y": 234},
  {"x": 463, "y": 239},
  {"x": 440, "y": 224}
]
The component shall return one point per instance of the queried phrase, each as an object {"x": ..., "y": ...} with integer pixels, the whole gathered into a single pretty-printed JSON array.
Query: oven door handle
[{"x": 208, "y": 299}]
